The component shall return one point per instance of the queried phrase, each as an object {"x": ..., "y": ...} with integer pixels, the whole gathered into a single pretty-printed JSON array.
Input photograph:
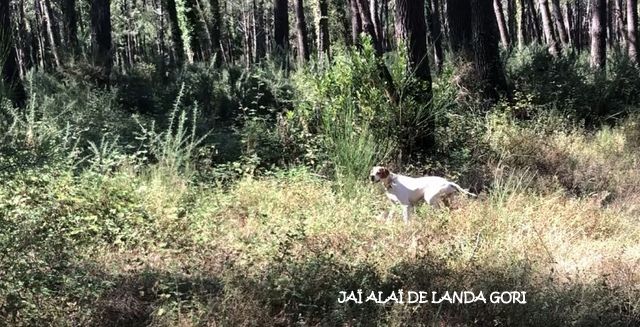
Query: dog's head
[{"x": 379, "y": 173}]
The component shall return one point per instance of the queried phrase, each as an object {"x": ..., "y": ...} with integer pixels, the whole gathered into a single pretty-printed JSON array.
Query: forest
[{"x": 206, "y": 162}]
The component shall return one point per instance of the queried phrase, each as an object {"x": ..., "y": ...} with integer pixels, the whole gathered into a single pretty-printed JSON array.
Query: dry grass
[{"x": 277, "y": 250}]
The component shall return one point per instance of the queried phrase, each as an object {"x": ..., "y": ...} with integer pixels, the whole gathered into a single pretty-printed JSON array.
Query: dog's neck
[{"x": 388, "y": 182}]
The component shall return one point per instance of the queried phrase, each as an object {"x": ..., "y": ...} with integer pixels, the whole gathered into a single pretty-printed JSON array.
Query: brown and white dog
[{"x": 409, "y": 191}]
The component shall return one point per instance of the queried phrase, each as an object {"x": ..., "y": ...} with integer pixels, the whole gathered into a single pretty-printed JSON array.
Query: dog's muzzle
[{"x": 372, "y": 178}]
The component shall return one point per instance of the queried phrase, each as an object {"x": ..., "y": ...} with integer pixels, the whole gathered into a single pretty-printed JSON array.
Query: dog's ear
[{"x": 383, "y": 172}]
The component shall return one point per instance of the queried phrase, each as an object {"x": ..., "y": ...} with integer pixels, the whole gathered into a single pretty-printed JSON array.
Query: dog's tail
[{"x": 463, "y": 190}]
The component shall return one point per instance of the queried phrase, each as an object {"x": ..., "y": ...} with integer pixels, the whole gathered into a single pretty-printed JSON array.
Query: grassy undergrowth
[{"x": 148, "y": 245}]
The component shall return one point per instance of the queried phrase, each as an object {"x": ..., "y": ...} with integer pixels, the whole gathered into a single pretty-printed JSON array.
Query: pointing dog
[{"x": 409, "y": 191}]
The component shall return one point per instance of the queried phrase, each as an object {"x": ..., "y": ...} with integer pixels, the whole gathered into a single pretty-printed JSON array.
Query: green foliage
[{"x": 567, "y": 84}]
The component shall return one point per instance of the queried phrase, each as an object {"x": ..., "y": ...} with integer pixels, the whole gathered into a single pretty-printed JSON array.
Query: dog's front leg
[
  {"x": 386, "y": 214},
  {"x": 405, "y": 213}
]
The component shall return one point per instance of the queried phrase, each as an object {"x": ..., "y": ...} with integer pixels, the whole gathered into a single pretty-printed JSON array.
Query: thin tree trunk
[
  {"x": 502, "y": 25},
  {"x": 436, "y": 34},
  {"x": 281, "y": 29},
  {"x": 487, "y": 62},
  {"x": 70, "y": 25},
  {"x": 216, "y": 27},
  {"x": 511, "y": 19},
  {"x": 324, "y": 41},
  {"x": 619, "y": 17},
  {"x": 461, "y": 38},
  {"x": 375, "y": 19},
  {"x": 53, "y": 41},
  {"x": 247, "y": 37},
  {"x": 101, "y": 35},
  {"x": 356, "y": 22},
  {"x": 598, "y": 34},
  {"x": 632, "y": 30},
  {"x": 258, "y": 31},
  {"x": 301, "y": 29},
  {"x": 548, "y": 29},
  {"x": 411, "y": 27},
  {"x": 536, "y": 28},
  {"x": 10, "y": 75},
  {"x": 385, "y": 75},
  {"x": 578, "y": 25},
  {"x": 569, "y": 23},
  {"x": 558, "y": 19},
  {"x": 520, "y": 23},
  {"x": 176, "y": 34}
]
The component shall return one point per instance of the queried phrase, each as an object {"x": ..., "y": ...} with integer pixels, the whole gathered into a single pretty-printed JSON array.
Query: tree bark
[
  {"x": 10, "y": 73},
  {"x": 324, "y": 41},
  {"x": 598, "y": 34},
  {"x": 461, "y": 38},
  {"x": 176, "y": 34},
  {"x": 411, "y": 27},
  {"x": 101, "y": 35},
  {"x": 619, "y": 17},
  {"x": 436, "y": 34},
  {"x": 216, "y": 27},
  {"x": 70, "y": 25},
  {"x": 383, "y": 71},
  {"x": 259, "y": 37},
  {"x": 356, "y": 22},
  {"x": 521, "y": 23},
  {"x": 487, "y": 62},
  {"x": 536, "y": 29},
  {"x": 502, "y": 25},
  {"x": 301, "y": 29},
  {"x": 632, "y": 30},
  {"x": 511, "y": 19},
  {"x": 375, "y": 20},
  {"x": 548, "y": 29},
  {"x": 281, "y": 28},
  {"x": 558, "y": 19}
]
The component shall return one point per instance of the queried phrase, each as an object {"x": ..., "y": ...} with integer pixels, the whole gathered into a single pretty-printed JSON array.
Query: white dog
[{"x": 408, "y": 191}]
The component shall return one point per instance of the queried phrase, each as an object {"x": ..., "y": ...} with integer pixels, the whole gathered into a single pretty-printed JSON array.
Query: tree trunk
[
  {"x": 70, "y": 25},
  {"x": 356, "y": 22},
  {"x": 375, "y": 19},
  {"x": 383, "y": 71},
  {"x": 281, "y": 28},
  {"x": 598, "y": 34},
  {"x": 411, "y": 27},
  {"x": 195, "y": 28},
  {"x": 502, "y": 25},
  {"x": 259, "y": 38},
  {"x": 216, "y": 27},
  {"x": 436, "y": 34},
  {"x": 487, "y": 62},
  {"x": 548, "y": 29},
  {"x": 578, "y": 26},
  {"x": 10, "y": 74},
  {"x": 619, "y": 17},
  {"x": 461, "y": 38},
  {"x": 101, "y": 35},
  {"x": 569, "y": 23},
  {"x": 536, "y": 29},
  {"x": 558, "y": 19},
  {"x": 324, "y": 41},
  {"x": 176, "y": 34},
  {"x": 520, "y": 23},
  {"x": 511, "y": 19},
  {"x": 301, "y": 29},
  {"x": 632, "y": 30}
]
